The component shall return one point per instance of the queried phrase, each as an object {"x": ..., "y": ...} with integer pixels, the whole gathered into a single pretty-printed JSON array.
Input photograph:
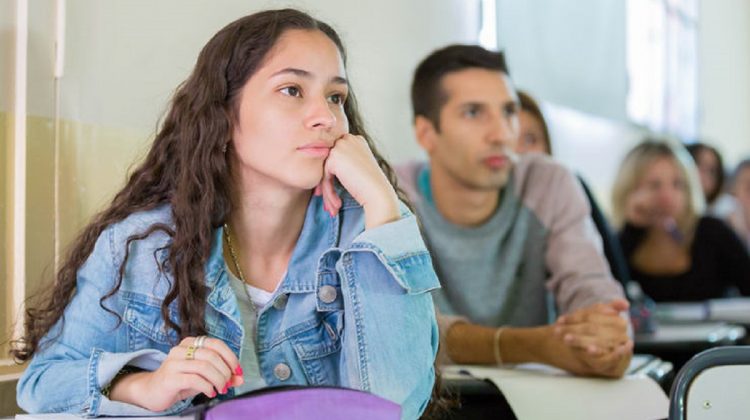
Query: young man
[{"x": 506, "y": 233}]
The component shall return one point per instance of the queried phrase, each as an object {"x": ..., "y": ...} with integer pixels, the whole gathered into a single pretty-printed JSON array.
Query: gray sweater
[{"x": 539, "y": 250}]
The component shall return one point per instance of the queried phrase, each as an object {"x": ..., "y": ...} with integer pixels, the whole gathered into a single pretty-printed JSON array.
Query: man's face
[{"x": 478, "y": 130}]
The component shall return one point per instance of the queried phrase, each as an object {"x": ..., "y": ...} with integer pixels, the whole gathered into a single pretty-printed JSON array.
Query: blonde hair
[{"x": 635, "y": 164}]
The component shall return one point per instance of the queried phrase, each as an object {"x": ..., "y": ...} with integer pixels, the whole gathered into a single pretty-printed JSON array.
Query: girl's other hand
[{"x": 213, "y": 368}]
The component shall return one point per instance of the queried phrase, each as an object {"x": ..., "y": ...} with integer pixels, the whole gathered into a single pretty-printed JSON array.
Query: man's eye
[{"x": 472, "y": 112}]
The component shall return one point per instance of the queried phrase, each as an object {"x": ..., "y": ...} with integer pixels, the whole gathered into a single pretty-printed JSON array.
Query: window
[{"x": 662, "y": 61}]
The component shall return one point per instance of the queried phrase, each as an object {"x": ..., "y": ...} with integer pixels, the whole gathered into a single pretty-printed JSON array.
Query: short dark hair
[{"x": 427, "y": 95}]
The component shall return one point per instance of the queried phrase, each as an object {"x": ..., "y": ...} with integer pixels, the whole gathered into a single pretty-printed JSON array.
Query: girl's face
[
  {"x": 291, "y": 111},
  {"x": 532, "y": 135},
  {"x": 708, "y": 169},
  {"x": 666, "y": 188}
]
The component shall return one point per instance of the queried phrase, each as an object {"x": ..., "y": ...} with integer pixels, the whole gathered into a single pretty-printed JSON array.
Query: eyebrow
[{"x": 306, "y": 74}]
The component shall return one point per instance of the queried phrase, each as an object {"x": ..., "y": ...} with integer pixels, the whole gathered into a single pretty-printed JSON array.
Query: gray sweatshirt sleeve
[{"x": 579, "y": 273}]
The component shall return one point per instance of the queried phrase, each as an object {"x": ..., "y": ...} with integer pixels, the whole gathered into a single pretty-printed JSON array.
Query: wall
[
  {"x": 724, "y": 76},
  {"x": 7, "y": 14},
  {"x": 570, "y": 53}
]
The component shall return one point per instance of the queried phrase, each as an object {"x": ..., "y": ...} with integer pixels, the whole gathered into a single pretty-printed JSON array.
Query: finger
[
  {"x": 316, "y": 191},
  {"x": 608, "y": 362},
  {"x": 206, "y": 370},
  {"x": 329, "y": 194},
  {"x": 209, "y": 355},
  {"x": 599, "y": 320},
  {"x": 620, "y": 305},
  {"x": 226, "y": 354},
  {"x": 583, "y": 314},
  {"x": 594, "y": 345},
  {"x": 193, "y": 384}
]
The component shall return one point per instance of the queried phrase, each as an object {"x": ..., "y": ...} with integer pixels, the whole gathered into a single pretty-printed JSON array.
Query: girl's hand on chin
[{"x": 351, "y": 162}]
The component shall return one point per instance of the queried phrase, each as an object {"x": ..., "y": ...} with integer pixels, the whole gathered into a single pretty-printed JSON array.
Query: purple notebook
[{"x": 300, "y": 403}]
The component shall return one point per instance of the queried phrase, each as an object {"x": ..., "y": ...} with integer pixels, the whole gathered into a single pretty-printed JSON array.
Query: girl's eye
[
  {"x": 337, "y": 99},
  {"x": 291, "y": 91}
]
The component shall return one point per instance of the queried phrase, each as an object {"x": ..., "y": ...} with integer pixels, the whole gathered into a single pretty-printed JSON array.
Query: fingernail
[
  {"x": 226, "y": 387},
  {"x": 238, "y": 371}
]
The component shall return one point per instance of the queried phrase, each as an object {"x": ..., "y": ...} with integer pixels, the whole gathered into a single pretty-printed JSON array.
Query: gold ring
[
  {"x": 190, "y": 355},
  {"x": 199, "y": 341}
]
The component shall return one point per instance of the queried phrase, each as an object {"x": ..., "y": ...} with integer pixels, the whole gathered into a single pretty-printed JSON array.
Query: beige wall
[
  {"x": 39, "y": 144},
  {"x": 6, "y": 71},
  {"x": 5, "y": 312}
]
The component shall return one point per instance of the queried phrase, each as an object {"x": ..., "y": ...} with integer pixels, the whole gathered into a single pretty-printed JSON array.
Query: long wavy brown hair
[{"x": 187, "y": 168}]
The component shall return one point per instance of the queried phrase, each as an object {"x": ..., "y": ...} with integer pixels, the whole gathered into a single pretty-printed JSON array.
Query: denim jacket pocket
[
  {"x": 319, "y": 347},
  {"x": 146, "y": 327},
  {"x": 329, "y": 295}
]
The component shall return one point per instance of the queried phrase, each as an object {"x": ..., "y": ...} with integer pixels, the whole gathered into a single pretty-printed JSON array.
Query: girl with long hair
[
  {"x": 673, "y": 250},
  {"x": 262, "y": 242}
]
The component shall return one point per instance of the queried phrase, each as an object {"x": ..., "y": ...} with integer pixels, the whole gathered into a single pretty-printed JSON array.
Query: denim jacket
[{"x": 353, "y": 310}]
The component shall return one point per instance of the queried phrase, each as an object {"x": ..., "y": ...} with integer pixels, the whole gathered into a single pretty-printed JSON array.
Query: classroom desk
[
  {"x": 471, "y": 398},
  {"x": 678, "y": 342}
]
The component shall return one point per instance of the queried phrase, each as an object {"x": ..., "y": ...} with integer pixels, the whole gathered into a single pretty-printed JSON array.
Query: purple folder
[{"x": 300, "y": 403}]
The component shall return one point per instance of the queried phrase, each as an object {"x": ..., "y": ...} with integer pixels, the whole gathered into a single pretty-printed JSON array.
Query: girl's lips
[{"x": 316, "y": 151}]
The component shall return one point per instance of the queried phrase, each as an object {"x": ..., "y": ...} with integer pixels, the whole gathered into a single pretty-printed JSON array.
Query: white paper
[{"x": 537, "y": 391}]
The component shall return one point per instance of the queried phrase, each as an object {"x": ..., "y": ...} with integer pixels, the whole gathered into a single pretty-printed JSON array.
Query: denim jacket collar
[{"x": 320, "y": 234}]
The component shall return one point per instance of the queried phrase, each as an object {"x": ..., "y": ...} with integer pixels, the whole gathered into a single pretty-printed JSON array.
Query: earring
[{"x": 224, "y": 148}]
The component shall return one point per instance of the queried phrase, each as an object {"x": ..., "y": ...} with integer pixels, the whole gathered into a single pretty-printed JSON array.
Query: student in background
[
  {"x": 533, "y": 131},
  {"x": 534, "y": 137},
  {"x": 511, "y": 239},
  {"x": 711, "y": 173},
  {"x": 260, "y": 243},
  {"x": 739, "y": 217},
  {"x": 672, "y": 251}
]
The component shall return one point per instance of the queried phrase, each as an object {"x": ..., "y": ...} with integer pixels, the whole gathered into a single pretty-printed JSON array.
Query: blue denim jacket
[{"x": 376, "y": 333}]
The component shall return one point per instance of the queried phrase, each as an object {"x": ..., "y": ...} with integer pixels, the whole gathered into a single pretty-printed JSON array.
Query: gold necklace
[{"x": 237, "y": 267}]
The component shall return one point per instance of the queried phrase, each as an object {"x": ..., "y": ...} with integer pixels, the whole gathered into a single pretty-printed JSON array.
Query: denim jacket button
[
  {"x": 282, "y": 371},
  {"x": 280, "y": 302},
  {"x": 327, "y": 294}
]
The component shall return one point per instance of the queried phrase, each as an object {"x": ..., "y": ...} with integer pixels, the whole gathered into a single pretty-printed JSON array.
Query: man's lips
[{"x": 496, "y": 161}]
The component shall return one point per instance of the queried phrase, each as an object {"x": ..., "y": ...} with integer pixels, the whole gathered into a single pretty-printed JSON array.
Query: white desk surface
[
  {"x": 522, "y": 385},
  {"x": 568, "y": 397}
]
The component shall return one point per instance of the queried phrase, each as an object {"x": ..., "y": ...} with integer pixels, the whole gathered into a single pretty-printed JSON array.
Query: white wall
[
  {"x": 568, "y": 52},
  {"x": 724, "y": 76},
  {"x": 124, "y": 74}
]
